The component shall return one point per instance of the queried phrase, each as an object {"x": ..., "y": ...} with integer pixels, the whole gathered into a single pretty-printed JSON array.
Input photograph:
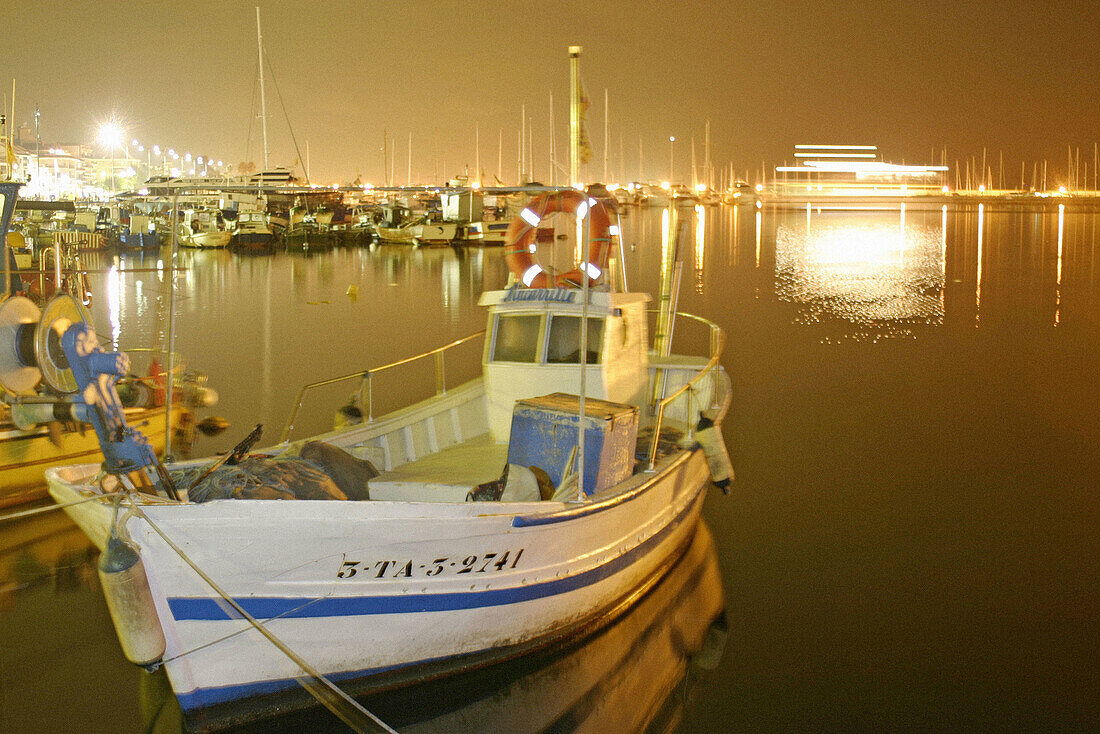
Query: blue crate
[{"x": 544, "y": 432}]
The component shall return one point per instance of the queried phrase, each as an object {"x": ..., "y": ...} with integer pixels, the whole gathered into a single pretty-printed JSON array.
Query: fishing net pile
[{"x": 319, "y": 472}]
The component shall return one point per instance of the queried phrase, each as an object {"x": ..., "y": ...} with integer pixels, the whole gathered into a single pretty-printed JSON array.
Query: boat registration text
[{"x": 487, "y": 563}]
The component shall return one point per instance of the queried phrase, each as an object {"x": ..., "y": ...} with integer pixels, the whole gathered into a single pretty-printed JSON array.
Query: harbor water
[{"x": 910, "y": 542}]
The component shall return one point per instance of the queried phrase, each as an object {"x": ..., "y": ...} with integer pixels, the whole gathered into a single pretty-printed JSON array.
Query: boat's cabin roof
[
  {"x": 542, "y": 325},
  {"x": 569, "y": 300}
]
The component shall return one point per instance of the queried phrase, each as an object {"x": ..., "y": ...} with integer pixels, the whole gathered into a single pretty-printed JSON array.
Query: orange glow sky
[{"x": 1017, "y": 77}]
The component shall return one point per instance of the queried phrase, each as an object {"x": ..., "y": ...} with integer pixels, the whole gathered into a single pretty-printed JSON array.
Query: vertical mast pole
[
  {"x": 586, "y": 234},
  {"x": 263, "y": 99},
  {"x": 708, "y": 170},
  {"x": 574, "y": 116},
  {"x": 606, "y": 134},
  {"x": 553, "y": 151}
]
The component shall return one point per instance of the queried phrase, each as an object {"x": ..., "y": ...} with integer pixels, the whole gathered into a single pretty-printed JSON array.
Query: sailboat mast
[
  {"x": 606, "y": 133},
  {"x": 263, "y": 99},
  {"x": 694, "y": 170},
  {"x": 708, "y": 169},
  {"x": 553, "y": 151},
  {"x": 574, "y": 116}
]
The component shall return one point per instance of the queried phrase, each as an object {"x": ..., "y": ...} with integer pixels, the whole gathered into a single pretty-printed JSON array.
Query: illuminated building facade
[{"x": 842, "y": 170}]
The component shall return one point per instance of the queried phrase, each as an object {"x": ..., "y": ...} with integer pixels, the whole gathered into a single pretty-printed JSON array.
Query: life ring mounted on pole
[{"x": 521, "y": 246}]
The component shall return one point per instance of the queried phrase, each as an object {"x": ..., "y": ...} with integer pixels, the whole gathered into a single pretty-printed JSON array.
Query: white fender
[
  {"x": 714, "y": 448},
  {"x": 126, "y": 588}
]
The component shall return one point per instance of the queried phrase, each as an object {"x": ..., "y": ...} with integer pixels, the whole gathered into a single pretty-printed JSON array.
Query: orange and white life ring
[{"x": 520, "y": 243}]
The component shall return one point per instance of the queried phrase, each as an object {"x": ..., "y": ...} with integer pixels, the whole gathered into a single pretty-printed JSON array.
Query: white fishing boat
[
  {"x": 253, "y": 229},
  {"x": 487, "y": 232},
  {"x": 204, "y": 227},
  {"x": 400, "y": 576},
  {"x": 533, "y": 503},
  {"x": 414, "y": 230}
]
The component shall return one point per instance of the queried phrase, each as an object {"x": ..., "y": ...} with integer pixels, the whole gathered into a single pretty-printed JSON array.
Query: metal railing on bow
[
  {"x": 366, "y": 379},
  {"x": 717, "y": 344}
]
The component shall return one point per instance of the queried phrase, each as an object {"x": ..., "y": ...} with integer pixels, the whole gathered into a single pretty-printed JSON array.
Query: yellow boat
[{"x": 25, "y": 455}]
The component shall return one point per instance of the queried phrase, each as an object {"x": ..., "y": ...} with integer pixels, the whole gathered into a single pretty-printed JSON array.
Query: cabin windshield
[
  {"x": 564, "y": 343},
  {"x": 516, "y": 338}
]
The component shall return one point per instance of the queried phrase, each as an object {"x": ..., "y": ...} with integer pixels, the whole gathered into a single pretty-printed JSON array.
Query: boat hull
[
  {"x": 377, "y": 588},
  {"x": 433, "y": 233},
  {"x": 254, "y": 238},
  {"x": 207, "y": 239}
]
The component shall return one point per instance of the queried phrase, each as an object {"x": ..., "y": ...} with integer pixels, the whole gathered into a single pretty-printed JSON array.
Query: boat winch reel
[
  {"x": 59, "y": 347},
  {"x": 30, "y": 344}
]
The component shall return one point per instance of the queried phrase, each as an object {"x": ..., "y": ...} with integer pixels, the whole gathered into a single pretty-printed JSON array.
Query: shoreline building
[{"x": 855, "y": 170}]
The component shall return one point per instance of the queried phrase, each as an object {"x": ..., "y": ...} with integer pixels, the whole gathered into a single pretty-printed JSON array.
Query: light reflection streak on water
[
  {"x": 901, "y": 229},
  {"x": 139, "y": 298},
  {"x": 879, "y": 276},
  {"x": 700, "y": 245},
  {"x": 114, "y": 302},
  {"x": 451, "y": 288},
  {"x": 1058, "y": 292},
  {"x": 758, "y": 221},
  {"x": 978, "y": 287},
  {"x": 943, "y": 256},
  {"x": 666, "y": 237},
  {"x": 736, "y": 238},
  {"x": 267, "y": 371}
]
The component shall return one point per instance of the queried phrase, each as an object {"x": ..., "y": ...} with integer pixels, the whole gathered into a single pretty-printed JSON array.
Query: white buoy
[
  {"x": 126, "y": 588},
  {"x": 714, "y": 448}
]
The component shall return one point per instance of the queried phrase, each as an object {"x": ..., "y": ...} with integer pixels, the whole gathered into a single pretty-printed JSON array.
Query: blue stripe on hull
[{"x": 209, "y": 608}]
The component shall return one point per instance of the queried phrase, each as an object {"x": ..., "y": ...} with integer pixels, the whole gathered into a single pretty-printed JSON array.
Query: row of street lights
[{"x": 111, "y": 137}]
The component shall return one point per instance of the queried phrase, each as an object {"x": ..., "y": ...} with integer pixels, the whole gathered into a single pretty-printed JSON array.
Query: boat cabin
[{"x": 532, "y": 347}]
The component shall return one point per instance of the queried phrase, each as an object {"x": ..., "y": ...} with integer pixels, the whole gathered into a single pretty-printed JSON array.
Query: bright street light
[{"x": 110, "y": 135}]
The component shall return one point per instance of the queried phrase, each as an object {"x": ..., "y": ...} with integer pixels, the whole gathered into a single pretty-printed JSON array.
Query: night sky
[{"x": 910, "y": 77}]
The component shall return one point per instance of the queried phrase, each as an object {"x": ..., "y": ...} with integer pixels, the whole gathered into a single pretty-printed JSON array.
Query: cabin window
[
  {"x": 517, "y": 338},
  {"x": 564, "y": 345}
]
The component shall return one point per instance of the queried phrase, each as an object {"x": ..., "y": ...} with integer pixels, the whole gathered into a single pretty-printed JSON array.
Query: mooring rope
[
  {"x": 325, "y": 691},
  {"x": 51, "y": 508}
]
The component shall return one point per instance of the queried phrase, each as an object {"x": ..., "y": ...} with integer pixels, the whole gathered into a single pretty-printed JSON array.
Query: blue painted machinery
[{"x": 125, "y": 449}]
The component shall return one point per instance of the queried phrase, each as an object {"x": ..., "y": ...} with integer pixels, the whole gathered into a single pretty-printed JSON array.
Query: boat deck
[{"x": 444, "y": 476}]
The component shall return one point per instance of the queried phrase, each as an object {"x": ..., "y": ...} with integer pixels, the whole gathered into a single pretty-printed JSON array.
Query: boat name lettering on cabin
[
  {"x": 550, "y": 295},
  {"x": 407, "y": 568}
]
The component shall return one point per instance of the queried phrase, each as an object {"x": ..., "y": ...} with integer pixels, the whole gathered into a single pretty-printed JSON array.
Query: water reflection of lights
[
  {"x": 1058, "y": 291},
  {"x": 114, "y": 302},
  {"x": 666, "y": 239},
  {"x": 883, "y": 277},
  {"x": 943, "y": 254},
  {"x": 700, "y": 245},
  {"x": 978, "y": 274},
  {"x": 759, "y": 220}
]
